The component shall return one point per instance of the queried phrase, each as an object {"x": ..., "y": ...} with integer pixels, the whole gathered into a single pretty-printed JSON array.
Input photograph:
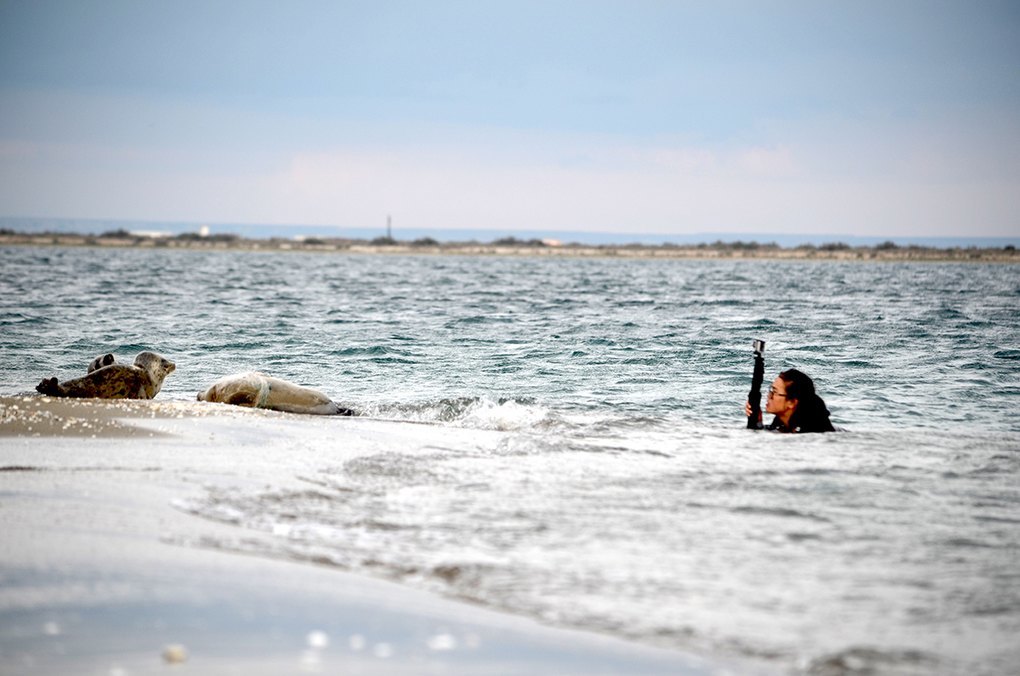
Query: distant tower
[{"x": 389, "y": 227}]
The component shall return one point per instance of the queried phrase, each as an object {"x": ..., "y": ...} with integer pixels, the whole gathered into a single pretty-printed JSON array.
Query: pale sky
[{"x": 867, "y": 118}]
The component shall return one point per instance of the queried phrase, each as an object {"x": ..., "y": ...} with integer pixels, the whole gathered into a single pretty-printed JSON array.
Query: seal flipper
[{"x": 49, "y": 387}]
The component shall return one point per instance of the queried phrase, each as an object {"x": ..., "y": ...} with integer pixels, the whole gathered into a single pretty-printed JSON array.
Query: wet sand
[{"x": 102, "y": 574}]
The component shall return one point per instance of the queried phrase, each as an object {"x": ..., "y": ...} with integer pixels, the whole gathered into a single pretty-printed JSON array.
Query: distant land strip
[{"x": 511, "y": 246}]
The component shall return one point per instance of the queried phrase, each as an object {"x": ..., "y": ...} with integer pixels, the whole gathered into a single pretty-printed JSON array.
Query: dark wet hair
[{"x": 811, "y": 415}]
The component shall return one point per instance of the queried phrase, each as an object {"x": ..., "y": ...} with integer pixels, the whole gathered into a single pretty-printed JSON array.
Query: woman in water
[{"x": 797, "y": 407}]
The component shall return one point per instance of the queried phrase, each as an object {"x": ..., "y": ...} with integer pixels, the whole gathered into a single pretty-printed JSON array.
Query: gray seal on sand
[
  {"x": 257, "y": 390},
  {"x": 141, "y": 380}
]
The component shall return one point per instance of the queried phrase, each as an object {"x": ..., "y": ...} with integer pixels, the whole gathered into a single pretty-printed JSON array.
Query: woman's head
[{"x": 792, "y": 398}]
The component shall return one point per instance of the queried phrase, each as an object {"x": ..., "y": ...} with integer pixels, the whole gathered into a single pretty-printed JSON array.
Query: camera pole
[{"x": 754, "y": 396}]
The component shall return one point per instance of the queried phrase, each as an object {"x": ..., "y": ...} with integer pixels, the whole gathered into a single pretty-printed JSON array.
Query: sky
[{"x": 870, "y": 118}]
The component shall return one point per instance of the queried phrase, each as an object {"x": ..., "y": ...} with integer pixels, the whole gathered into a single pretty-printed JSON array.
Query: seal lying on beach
[
  {"x": 141, "y": 380},
  {"x": 257, "y": 390}
]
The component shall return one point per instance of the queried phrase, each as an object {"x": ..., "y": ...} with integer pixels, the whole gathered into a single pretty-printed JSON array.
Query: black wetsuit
[{"x": 777, "y": 426}]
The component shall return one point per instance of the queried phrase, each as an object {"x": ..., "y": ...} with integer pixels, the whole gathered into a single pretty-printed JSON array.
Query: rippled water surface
[{"x": 595, "y": 471}]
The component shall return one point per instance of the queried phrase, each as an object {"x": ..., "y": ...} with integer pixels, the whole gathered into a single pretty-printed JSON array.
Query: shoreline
[
  {"x": 103, "y": 570},
  {"x": 735, "y": 251}
]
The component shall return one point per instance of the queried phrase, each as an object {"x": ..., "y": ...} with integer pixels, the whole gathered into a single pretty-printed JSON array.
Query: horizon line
[{"x": 94, "y": 226}]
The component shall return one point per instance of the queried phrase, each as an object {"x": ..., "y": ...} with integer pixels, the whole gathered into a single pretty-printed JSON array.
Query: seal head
[
  {"x": 100, "y": 361},
  {"x": 157, "y": 367}
]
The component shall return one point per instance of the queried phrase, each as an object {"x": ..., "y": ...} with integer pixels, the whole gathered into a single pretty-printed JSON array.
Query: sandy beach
[{"x": 104, "y": 572}]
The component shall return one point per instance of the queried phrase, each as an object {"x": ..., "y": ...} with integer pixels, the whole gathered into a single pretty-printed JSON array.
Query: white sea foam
[{"x": 508, "y": 415}]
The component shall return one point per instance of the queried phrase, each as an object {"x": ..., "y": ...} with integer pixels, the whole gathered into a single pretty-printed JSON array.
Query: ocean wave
[
  {"x": 13, "y": 318},
  {"x": 471, "y": 412},
  {"x": 1012, "y": 355},
  {"x": 517, "y": 415},
  {"x": 867, "y": 660}
]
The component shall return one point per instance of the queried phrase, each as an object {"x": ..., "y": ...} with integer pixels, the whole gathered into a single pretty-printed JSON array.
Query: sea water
[{"x": 596, "y": 471}]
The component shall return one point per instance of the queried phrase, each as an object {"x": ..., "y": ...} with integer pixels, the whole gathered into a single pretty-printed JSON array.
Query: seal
[
  {"x": 141, "y": 380},
  {"x": 257, "y": 390},
  {"x": 101, "y": 361}
]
